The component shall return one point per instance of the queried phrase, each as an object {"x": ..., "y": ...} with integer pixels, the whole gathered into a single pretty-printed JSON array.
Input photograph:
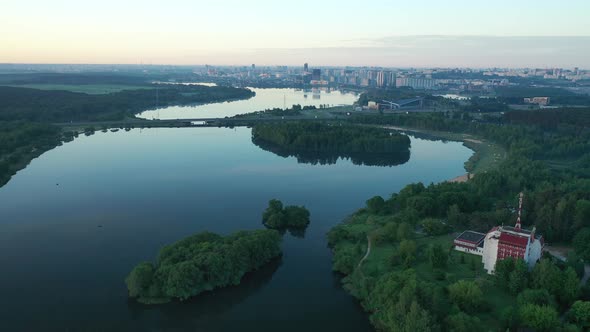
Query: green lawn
[
  {"x": 487, "y": 156},
  {"x": 85, "y": 88}
]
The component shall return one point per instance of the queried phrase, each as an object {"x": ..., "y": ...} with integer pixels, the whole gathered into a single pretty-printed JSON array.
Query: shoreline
[{"x": 486, "y": 154}]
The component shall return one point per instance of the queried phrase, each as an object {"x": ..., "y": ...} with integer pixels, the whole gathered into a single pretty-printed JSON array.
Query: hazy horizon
[{"x": 331, "y": 33}]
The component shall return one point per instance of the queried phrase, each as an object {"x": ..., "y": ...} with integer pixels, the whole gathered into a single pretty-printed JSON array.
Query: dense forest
[
  {"x": 326, "y": 143},
  {"x": 559, "y": 96},
  {"x": 413, "y": 280},
  {"x": 64, "y": 106},
  {"x": 202, "y": 262},
  {"x": 551, "y": 119}
]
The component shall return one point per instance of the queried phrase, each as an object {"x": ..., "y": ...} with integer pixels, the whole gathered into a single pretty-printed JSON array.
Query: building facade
[{"x": 503, "y": 242}]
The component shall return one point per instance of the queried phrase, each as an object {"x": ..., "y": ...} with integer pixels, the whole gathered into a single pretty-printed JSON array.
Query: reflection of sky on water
[
  {"x": 74, "y": 222},
  {"x": 264, "y": 99}
]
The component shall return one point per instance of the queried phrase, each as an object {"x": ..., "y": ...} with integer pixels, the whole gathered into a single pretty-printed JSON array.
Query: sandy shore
[{"x": 462, "y": 178}]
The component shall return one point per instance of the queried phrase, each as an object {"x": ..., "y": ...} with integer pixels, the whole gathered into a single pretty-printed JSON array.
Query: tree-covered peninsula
[
  {"x": 289, "y": 217},
  {"x": 397, "y": 252},
  {"x": 201, "y": 262},
  {"x": 22, "y": 141},
  {"x": 314, "y": 142}
]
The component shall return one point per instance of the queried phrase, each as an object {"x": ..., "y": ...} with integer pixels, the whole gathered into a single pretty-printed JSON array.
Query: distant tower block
[{"x": 306, "y": 67}]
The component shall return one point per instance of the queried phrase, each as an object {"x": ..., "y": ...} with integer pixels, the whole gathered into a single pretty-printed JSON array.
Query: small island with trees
[
  {"x": 202, "y": 262},
  {"x": 289, "y": 217},
  {"x": 325, "y": 143}
]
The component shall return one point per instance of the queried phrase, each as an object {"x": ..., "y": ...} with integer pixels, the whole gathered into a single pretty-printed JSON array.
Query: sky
[{"x": 417, "y": 33}]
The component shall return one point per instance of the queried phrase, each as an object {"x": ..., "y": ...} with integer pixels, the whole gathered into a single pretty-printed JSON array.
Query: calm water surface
[
  {"x": 264, "y": 99},
  {"x": 75, "y": 221}
]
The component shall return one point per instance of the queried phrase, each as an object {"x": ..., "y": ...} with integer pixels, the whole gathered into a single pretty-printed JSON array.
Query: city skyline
[{"x": 375, "y": 33}]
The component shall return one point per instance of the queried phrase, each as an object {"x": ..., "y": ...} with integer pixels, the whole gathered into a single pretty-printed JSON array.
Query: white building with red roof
[{"x": 503, "y": 242}]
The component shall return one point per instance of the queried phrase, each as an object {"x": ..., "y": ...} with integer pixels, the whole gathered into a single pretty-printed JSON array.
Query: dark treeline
[
  {"x": 22, "y": 141},
  {"x": 202, "y": 262},
  {"x": 325, "y": 143},
  {"x": 327, "y": 137},
  {"x": 559, "y": 96},
  {"x": 551, "y": 118},
  {"x": 485, "y": 105},
  {"x": 76, "y": 78},
  {"x": 65, "y": 106}
]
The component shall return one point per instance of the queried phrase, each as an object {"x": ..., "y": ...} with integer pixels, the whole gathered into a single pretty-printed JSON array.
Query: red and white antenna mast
[{"x": 518, "y": 225}]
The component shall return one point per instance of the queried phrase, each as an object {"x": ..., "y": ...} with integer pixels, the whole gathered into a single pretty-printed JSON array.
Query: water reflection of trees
[
  {"x": 330, "y": 158},
  {"x": 205, "y": 308}
]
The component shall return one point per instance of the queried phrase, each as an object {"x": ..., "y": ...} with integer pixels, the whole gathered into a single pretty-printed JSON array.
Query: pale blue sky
[{"x": 368, "y": 32}]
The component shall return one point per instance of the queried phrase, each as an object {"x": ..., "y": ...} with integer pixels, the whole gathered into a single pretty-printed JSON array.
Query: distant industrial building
[
  {"x": 373, "y": 105},
  {"x": 541, "y": 101},
  {"x": 415, "y": 83}
]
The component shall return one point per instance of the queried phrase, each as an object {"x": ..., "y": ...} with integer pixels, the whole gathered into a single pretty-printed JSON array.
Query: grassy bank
[{"x": 487, "y": 155}]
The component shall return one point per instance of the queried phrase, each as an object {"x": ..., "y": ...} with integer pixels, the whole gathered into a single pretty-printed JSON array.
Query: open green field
[
  {"x": 487, "y": 155},
  {"x": 93, "y": 89}
]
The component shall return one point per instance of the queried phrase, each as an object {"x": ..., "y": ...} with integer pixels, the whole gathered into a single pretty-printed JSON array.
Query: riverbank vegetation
[
  {"x": 22, "y": 141},
  {"x": 282, "y": 218},
  {"x": 315, "y": 142},
  {"x": 413, "y": 280},
  {"x": 201, "y": 262}
]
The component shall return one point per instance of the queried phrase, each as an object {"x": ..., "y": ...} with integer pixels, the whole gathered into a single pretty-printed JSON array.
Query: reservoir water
[
  {"x": 79, "y": 217},
  {"x": 264, "y": 99}
]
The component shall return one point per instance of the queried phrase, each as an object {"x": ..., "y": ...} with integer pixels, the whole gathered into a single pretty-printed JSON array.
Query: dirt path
[{"x": 367, "y": 253}]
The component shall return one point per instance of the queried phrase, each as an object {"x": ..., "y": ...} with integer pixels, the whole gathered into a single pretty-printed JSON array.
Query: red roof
[{"x": 515, "y": 240}]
